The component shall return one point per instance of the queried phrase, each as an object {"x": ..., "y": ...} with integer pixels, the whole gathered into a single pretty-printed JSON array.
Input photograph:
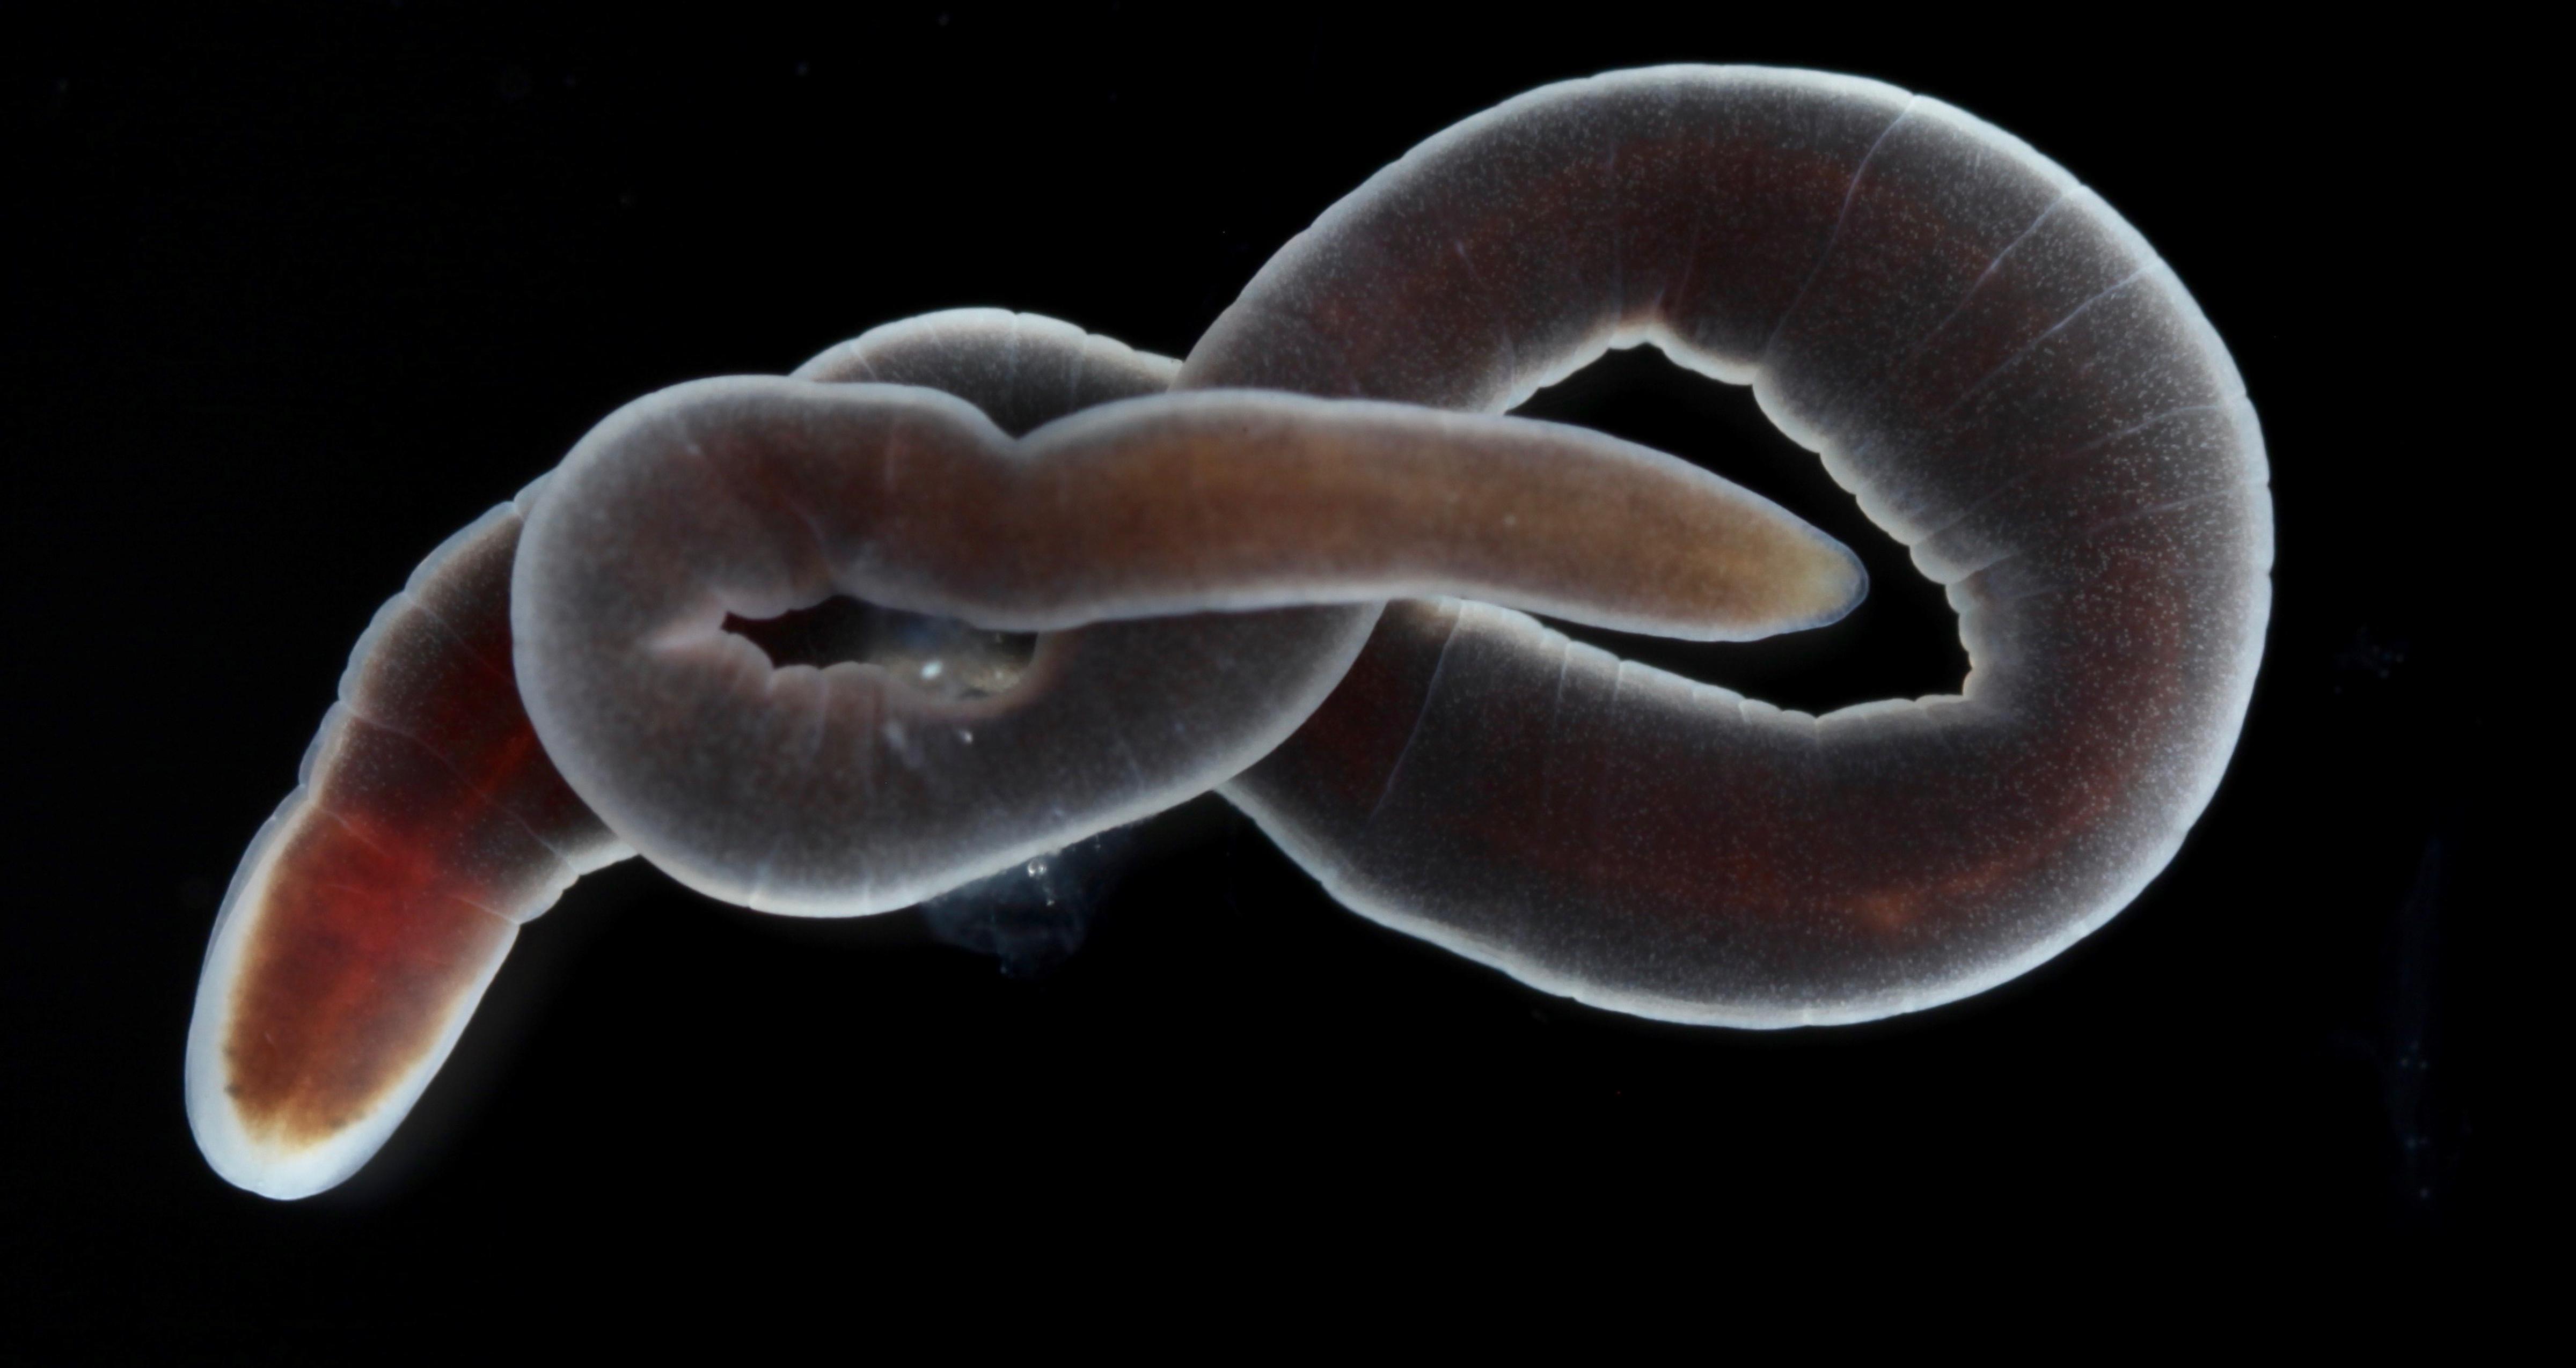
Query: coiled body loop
[{"x": 1097, "y": 583}]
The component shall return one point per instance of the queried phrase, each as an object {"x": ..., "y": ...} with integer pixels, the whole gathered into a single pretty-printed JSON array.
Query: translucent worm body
[{"x": 1992, "y": 361}]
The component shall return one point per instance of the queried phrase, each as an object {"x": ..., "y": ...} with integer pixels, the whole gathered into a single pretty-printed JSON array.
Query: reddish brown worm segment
[{"x": 374, "y": 907}]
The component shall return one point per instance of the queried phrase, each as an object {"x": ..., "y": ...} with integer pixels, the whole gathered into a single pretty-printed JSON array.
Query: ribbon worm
[{"x": 1092, "y": 595}]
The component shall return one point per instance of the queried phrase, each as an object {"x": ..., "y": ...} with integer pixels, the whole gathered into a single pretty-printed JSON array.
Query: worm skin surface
[
  {"x": 841, "y": 791},
  {"x": 1995, "y": 364},
  {"x": 373, "y": 909},
  {"x": 846, "y": 789},
  {"x": 2008, "y": 380}
]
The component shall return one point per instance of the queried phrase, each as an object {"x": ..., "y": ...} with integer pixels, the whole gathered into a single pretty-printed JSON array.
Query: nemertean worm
[{"x": 1080, "y": 619}]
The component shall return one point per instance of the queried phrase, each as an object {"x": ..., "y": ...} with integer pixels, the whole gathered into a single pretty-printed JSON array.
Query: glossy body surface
[{"x": 1985, "y": 354}]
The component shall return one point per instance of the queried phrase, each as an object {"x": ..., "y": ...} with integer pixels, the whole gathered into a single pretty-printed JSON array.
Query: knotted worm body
[{"x": 1082, "y": 584}]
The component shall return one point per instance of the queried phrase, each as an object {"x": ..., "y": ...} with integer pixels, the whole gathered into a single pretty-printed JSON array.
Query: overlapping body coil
[{"x": 1085, "y": 584}]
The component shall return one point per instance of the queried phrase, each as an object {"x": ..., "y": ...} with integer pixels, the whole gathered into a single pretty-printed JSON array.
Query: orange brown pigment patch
[
  {"x": 431, "y": 825},
  {"x": 360, "y": 959}
]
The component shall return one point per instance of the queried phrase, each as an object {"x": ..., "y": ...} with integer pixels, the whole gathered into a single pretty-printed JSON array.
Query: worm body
[{"x": 1084, "y": 583}]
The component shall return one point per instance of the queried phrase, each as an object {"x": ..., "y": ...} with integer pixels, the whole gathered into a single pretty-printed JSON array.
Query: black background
[{"x": 295, "y": 297}]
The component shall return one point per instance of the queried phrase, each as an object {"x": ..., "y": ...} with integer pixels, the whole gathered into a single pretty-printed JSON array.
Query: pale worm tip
[
  {"x": 1824, "y": 587},
  {"x": 373, "y": 909}
]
